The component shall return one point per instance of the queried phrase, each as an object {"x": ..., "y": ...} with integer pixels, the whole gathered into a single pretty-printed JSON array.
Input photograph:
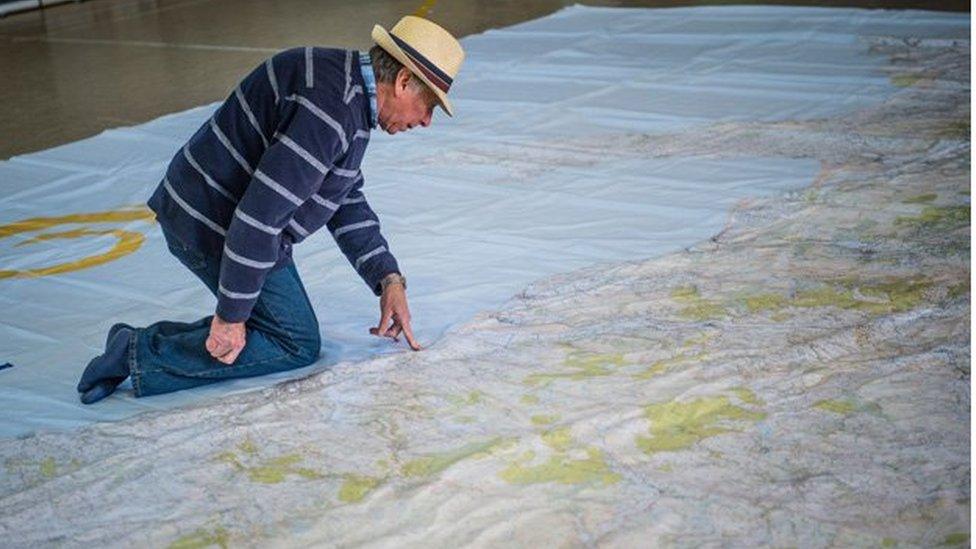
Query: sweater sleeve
[
  {"x": 290, "y": 172},
  {"x": 356, "y": 230}
]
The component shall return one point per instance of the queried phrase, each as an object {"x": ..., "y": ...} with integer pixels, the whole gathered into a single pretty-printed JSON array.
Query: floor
[{"x": 79, "y": 68}]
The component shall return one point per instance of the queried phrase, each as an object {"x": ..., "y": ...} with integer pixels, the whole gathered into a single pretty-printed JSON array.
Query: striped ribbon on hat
[{"x": 430, "y": 70}]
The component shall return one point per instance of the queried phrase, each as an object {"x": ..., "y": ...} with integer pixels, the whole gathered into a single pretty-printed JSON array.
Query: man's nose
[{"x": 426, "y": 121}]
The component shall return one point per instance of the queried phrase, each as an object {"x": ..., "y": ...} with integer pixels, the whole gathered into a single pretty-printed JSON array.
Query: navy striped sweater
[{"x": 278, "y": 160}]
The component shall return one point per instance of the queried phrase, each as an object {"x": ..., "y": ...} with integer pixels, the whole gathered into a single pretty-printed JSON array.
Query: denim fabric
[{"x": 282, "y": 334}]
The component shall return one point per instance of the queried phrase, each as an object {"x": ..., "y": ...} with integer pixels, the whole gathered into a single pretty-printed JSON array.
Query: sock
[
  {"x": 114, "y": 330},
  {"x": 101, "y": 390},
  {"x": 111, "y": 367}
]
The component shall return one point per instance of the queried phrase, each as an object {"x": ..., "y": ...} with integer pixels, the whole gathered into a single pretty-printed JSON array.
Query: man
[{"x": 276, "y": 162}]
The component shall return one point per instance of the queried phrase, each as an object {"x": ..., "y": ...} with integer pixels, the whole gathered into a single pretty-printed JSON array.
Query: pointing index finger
[{"x": 408, "y": 333}]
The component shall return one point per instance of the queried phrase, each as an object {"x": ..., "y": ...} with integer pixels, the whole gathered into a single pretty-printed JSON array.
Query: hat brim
[{"x": 383, "y": 40}]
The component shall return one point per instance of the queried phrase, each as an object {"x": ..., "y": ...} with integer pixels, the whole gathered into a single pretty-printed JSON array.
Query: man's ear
[{"x": 402, "y": 80}]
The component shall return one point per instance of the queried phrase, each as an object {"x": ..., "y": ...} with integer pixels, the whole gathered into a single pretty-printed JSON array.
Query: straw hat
[{"x": 429, "y": 51}]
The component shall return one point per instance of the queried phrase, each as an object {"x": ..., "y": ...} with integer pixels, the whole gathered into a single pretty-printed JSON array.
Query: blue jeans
[{"x": 282, "y": 334}]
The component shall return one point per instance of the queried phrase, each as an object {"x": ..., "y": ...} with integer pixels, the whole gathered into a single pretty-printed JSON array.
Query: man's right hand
[{"x": 226, "y": 340}]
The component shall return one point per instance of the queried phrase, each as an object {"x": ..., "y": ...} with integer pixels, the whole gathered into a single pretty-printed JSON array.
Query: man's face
[{"x": 408, "y": 106}]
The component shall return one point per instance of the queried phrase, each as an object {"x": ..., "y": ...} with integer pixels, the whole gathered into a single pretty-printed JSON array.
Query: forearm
[
  {"x": 247, "y": 259},
  {"x": 356, "y": 230}
]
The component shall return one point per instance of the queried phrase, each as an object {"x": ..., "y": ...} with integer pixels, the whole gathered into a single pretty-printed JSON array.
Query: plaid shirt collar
[{"x": 366, "y": 66}]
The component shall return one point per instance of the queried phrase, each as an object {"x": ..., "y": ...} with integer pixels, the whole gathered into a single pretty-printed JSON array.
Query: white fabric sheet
[{"x": 537, "y": 174}]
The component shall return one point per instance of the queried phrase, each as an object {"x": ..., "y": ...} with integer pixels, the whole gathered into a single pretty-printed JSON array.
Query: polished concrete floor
[{"x": 75, "y": 69}]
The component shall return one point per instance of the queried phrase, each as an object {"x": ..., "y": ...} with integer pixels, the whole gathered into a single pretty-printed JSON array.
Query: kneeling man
[{"x": 276, "y": 162}]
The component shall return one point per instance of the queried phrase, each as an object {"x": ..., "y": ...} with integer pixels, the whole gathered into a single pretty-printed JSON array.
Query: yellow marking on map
[
  {"x": 127, "y": 241},
  {"x": 201, "y": 538}
]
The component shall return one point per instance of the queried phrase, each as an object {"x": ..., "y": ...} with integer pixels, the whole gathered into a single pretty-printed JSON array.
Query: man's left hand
[{"x": 395, "y": 315}]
